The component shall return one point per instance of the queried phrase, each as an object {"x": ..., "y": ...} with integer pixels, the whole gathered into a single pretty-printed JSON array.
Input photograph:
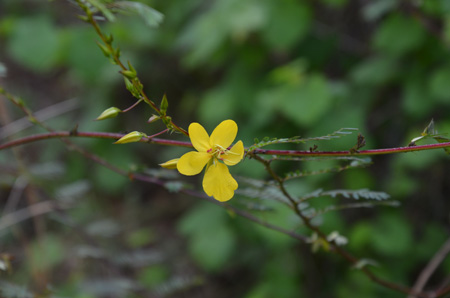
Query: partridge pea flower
[{"x": 212, "y": 152}]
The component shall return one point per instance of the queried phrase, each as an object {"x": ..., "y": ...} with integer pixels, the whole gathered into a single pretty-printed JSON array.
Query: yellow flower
[{"x": 213, "y": 153}]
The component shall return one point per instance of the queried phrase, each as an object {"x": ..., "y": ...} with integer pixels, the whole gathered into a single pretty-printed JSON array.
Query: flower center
[{"x": 217, "y": 151}]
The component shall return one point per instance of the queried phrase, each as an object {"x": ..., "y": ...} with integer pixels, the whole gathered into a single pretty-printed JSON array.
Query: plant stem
[{"x": 116, "y": 136}]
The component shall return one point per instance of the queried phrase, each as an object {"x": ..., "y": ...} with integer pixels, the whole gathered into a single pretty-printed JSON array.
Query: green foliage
[
  {"x": 203, "y": 224},
  {"x": 390, "y": 37},
  {"x": 39, "y": 52},
  {"x": 278, "y": 33},
  {"x": 280, "y": 69}
]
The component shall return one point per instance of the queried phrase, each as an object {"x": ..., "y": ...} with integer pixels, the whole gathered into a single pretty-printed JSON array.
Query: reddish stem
[{"x": 152, "y": 139}]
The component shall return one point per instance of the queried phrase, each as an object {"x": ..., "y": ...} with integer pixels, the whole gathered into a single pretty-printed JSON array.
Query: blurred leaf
[
  {"x": 288, "y": 24},
  {"x": 358, "y": 194},
  {"x": 234, "y": 19},
  {"x": 71, "y": 192},
  {"x": 34, "y": 42},
  {"x": 85, "y": 60},
  {"x": 210, "y": 241},
  {"x": 9, "y": 290},
  {"x": 360, "y": 236},
  {"x": 437, "y": 8},
  {"x": 335, "y": 3},
  {"x": 196, "y": 218},
  {"x": 391, "y": 235},
  {"x": 138, "y": 258},
  {"x": 439, "y": 84},
  {"x": 307, "y": 103},
  {"x": 416, "y": 97},
  {"x": 374, "y": 71},
  {"x": 141, "y": 237},
  {"x": 103, "y": 9},
  {"x": 3, "y": 70},
  {"x": 362, "y": 263},
  {"x": 113, "y": 287},
  {"x": 292, "y": 73},
  {"x": 376, "y": 9},
  {"x": 208, "y": 107},
  {"x": 49, "y": 170},
  {"x": 391, "y": 38},
  {"x": 212, "y": 248},
  {"x": 178, "y": 284},
  {"x": 149, "y": 15},
  {"x": 103, "y": 228},
  {"x": 153, "y": 275},
  {"x": 46, "y": 252}
]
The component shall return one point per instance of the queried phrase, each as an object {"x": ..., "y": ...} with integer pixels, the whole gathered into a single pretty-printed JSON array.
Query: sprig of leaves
[
  {"x": 108, "y": 9},
  {"x": 314, "y": 213},
  {"x": 430, "y": 132},
  {"x": 354, "y": 164},
  {"x": 266, "y": 141},
  {"x": 348, "y": 194}
]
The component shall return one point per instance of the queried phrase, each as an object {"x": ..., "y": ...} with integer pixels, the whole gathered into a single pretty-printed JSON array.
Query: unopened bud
[
  {"x": 128, "y": 74},
  {"x": 134, "y": 136},
  {"x": 109, "y": 113},
  {"x": 153, "y": 118},
  {"x": 104, "y": 49},
  {"x": 171, "y": 164}
]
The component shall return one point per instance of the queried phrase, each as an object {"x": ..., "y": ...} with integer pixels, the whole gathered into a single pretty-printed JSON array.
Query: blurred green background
[{"x": 279, "y": 68}]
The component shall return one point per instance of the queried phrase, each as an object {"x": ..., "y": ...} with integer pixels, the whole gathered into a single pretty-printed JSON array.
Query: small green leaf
[
  {"x": 429, "y": 130},
  {"x": 104, "y": 49},
  {"x": 164, "y": 105}
]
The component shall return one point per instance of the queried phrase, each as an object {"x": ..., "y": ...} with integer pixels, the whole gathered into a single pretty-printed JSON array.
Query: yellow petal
[
  {"x": 235, "y": 154},
  {"x": 192, "y": 162},
  {"x": 199, "y": 137},
  {"x": 171, "y": 164},
  {"x": 224, "y": 134},
  {"x": 219, "y": 183}
]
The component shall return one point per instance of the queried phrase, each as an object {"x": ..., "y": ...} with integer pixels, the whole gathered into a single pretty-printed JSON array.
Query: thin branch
[
  {"x": 431, "y": 267},
  {"x": 42, "y": 115},
  {"x": 26, "y": 213},
  {"x": 116, "y": 136},
  {"x": 348, "y": 153}
]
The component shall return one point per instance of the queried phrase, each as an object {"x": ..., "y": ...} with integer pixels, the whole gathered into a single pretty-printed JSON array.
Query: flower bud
[
  {"x": 153, "y": 118},
  {"x": 134, "y": 136},
  {"x": 109, "y": 113},
  {"x": 171, "y": 164}
]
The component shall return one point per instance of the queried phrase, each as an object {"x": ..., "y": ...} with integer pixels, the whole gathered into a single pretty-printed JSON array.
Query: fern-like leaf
[{"x": 296, "y": 140}]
